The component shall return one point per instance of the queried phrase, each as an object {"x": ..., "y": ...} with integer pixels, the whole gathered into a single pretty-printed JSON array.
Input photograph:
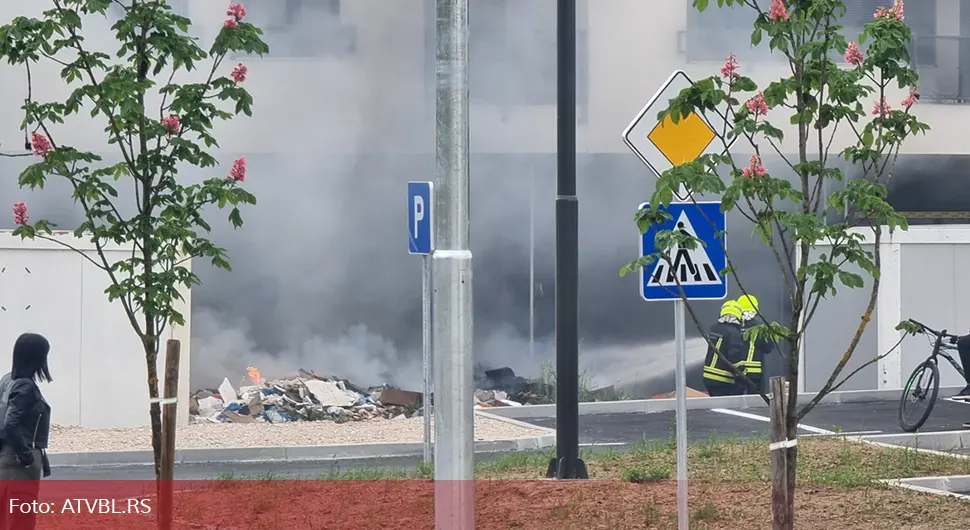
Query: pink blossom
[
  {"x": 881, "y": 108},
  {"x": 912, "y": 98},
  {"x": 20, "y": 213},
  {"x": 757, "y": 105},
  {"x": 230, "y": 23},
  {"x": 238, "y": 171},
  {"x": 239, "y": 72},
  {"x": 171, "y": 124},
  {"x": 40, "y": 143},
  {"x": 896, "y": 11},
  {"x": 755, "y": 169},
  {"x": 236, "y": 11},
  {"x": 729, "y": 70},
  {"x": 778, "y": 10},
  {"x": 853, "y": 55}
]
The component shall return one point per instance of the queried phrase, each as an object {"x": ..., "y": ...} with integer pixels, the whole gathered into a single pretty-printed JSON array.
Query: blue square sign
[
  {"x": 698, "y": 270},
  {"x": 420, "y": 219}
]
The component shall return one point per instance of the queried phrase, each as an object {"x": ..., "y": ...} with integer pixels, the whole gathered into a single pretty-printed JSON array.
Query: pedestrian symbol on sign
[
  {"x": 697, "y": 270},
  {"x": 689, "y": 267}
]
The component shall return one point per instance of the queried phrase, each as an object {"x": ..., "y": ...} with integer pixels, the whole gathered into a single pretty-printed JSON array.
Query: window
[
  {"x": 512, "y": 52},
  {"x": 711, "y": 35},
  {"x": 303, "y": 28}
]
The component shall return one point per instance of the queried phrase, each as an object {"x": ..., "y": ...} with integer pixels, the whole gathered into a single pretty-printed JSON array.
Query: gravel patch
[{"x": 65, "y": 439}]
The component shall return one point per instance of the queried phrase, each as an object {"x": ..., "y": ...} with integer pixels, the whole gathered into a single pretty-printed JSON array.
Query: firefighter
[
  {"x": 726, "y": 346},
  {"x": 752, "y": 361}
]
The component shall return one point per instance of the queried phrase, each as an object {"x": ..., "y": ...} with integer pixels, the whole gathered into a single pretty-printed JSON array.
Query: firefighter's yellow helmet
[
  {"x": 748, "y": 303},
  {"x": 731, "y": 308}
]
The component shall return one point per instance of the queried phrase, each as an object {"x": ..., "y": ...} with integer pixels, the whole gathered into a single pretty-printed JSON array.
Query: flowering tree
[
  {"x": 158, "y": 126},
  {"x": 787, "y": 205}
]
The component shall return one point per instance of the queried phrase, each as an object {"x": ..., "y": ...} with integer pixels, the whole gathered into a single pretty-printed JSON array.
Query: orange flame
[{"x": 254, "y": 375}]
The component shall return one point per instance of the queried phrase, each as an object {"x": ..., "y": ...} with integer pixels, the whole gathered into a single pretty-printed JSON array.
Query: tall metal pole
[
  {"x": 426, "y": 352},
  {"x": 680, "y": 338},
  {"x": 452, "y": 272},
  {"x": 532, "y": 265},
  {"x": 567, "y": 464}
]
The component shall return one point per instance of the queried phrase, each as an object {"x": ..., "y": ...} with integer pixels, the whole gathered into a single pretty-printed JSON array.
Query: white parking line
[
  {"x": 603, "y": 444},
  {"x": 851, "y": 433},
  {"x": 755, "y": 417}
]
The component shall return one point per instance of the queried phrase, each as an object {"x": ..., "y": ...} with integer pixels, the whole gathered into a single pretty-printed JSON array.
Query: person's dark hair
[{"x": 30, "y": 358}]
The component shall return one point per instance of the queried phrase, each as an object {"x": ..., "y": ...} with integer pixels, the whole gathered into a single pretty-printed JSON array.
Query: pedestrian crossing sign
[{"x": 697, "y": 270}]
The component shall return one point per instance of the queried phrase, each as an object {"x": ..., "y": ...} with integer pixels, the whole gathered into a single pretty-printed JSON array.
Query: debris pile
[
  {"x": 502, "y": 388},
  {"x": 304, "y": 397}
]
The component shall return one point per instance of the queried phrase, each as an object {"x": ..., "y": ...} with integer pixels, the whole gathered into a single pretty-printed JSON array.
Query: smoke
[{"x": 321, "y": 278}]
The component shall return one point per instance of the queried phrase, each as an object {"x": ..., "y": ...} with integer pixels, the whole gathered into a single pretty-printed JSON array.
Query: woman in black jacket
[{"x": 26, "y": 426}]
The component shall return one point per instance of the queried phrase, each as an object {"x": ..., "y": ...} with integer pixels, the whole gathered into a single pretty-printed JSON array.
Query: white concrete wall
[
  {"x": 923, "y": 278},
  {"x": 829, "y": 332},
  {"x": 96, "y": 360}
]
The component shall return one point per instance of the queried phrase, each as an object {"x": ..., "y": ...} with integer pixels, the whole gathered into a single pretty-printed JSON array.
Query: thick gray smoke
[{"x": 321, "y": 277}]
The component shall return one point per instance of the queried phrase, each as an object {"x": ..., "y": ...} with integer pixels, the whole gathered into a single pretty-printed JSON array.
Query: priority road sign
[
  {"x": 420, "y": 219},
  {"x": 698, "y": 270},
  {"x": 662, "y": 145}
]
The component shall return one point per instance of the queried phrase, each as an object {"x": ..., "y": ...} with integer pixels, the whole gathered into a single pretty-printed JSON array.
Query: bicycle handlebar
[{"x": 941, "y": 334}]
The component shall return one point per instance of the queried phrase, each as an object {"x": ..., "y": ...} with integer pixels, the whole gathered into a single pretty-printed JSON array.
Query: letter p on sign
[{"x": 420, "y": 217}]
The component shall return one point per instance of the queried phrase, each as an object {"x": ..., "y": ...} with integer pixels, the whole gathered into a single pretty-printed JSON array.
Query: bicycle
[{"x": 926, "y": 377}]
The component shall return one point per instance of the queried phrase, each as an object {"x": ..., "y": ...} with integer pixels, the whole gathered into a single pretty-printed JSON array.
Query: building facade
[{"x": 344, "y": 112}]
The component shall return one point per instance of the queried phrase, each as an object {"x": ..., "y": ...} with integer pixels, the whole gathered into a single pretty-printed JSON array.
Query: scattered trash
[
  {"x": 303, "y": 397},
  {"x": 502, "y": 388},
  {"x": 308, "y": 396}
]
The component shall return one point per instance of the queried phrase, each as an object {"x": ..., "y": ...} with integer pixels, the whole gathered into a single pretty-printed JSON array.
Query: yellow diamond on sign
[{"x": 683, "y": 141}]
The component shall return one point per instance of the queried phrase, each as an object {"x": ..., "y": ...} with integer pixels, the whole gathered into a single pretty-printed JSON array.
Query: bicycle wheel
[{"x": 919, "y": 394}]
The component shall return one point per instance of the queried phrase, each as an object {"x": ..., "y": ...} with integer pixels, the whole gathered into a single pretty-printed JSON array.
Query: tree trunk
[
  {"x": 155, "y": 411},
  {"x": 169, "y": 419},
  {"x": 792, "y": 467},
  {"x": 782, "y": 516}
]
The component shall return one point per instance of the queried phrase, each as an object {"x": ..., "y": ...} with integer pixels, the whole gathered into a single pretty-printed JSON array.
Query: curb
[
  {"x": 288, "y": 454},
  {"x": 939, "y": 443},
  {"x": 303, "y": 453},
  {"x": 942, "y": 486},
  {"x": 650, "y": 406}
]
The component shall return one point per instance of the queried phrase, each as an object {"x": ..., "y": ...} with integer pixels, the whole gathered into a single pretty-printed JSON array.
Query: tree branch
[{"x": 864, "y": 321}]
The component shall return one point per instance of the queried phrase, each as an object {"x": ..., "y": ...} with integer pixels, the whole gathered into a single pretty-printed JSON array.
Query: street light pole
[
  {"x": 454, "y": 501},
  {"x": 532, "y": 264},
  {"x": 567, "y": 464}
]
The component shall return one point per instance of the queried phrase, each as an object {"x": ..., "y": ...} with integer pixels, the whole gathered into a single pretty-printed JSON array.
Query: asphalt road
[
  {"x": 596, "y": 431},
  {"x": 852, "y": 418}
]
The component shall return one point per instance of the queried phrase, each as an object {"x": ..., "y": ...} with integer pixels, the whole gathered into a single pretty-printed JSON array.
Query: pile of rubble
[
  {"x": 304, "y": 397},
  {"x": 502, "y": 388},
  {"x": 311, "y": 397}
]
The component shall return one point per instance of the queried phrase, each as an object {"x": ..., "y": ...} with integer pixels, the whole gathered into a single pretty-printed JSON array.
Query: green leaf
[
  {"x": 756, "y": 36},
  {"x": 637, "y": 264},
  {"x": 910, "y": 327},
  {"x": 851, "y": 280}
]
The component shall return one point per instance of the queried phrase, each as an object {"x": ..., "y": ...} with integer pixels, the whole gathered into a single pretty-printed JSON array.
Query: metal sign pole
[
  {"x": 426, "y": 352},
  {"x": 454, "y": 415},
  {"x": 680, "y": 338}
]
